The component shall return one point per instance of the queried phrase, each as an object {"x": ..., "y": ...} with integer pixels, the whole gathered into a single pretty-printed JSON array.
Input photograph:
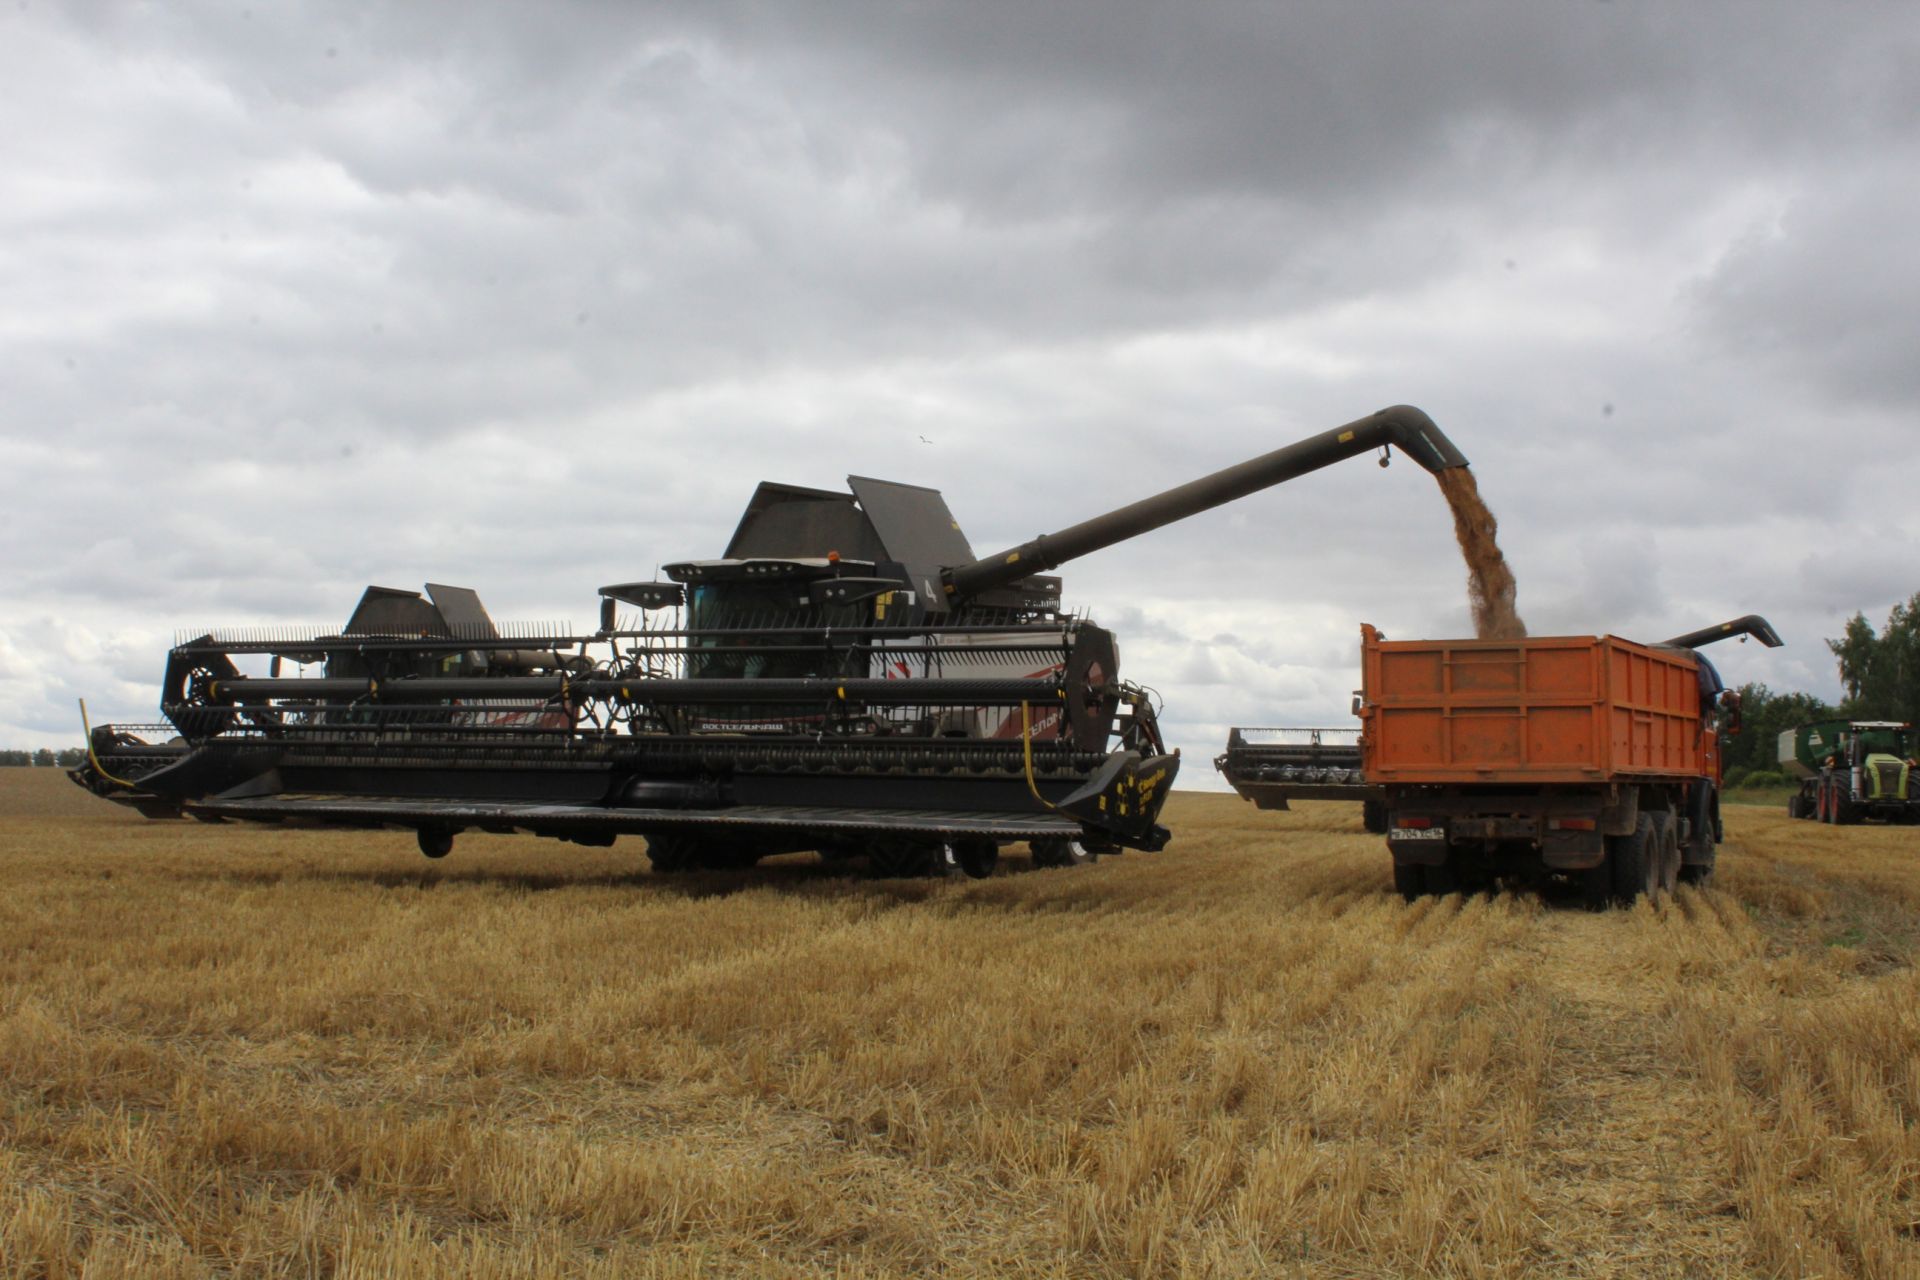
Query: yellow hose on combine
[{"x": 94, "y": 759}]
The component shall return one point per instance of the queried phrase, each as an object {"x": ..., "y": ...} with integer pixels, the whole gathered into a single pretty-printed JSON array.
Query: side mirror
[
  {"x": 1356, "y": 703},
  {"x": 1730, "y": 713}
]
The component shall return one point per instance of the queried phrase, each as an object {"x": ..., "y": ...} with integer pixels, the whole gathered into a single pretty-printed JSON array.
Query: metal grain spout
[{"x": 1402, "y": 425}]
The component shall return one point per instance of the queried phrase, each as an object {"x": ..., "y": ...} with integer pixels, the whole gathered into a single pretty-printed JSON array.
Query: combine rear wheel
[
  {"x": 975, "y": 855},
  {"x": 673, "y": 853},
  {"x": 1062, "y": 852},
  {"x": 904, "y": 859},
  {"x": 435, "y": 842}
]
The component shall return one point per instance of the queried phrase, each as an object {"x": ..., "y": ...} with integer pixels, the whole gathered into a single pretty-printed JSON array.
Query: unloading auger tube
[{"x": 1403, "y": 425}]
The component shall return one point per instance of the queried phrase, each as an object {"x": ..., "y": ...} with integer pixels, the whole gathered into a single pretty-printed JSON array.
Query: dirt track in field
[{"x": 243, "y": 1051}]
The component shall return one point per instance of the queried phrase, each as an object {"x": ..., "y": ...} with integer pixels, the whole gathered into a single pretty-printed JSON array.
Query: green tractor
[{"x": 1851, "y": 770}]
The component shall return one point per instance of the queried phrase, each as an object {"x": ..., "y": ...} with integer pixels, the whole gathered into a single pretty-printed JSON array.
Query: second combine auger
[{"x": 848, "y": 677}]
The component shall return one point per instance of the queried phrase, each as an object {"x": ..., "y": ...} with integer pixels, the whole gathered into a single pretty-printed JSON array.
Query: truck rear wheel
[
  {"x": 1665, "y": 850},
  {"x": 1633, "y": 861},
  {"x": 1373, "y": 817}
]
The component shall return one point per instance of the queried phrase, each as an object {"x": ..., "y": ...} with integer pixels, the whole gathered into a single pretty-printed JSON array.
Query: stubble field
[{"x": 247, "y": 1051}]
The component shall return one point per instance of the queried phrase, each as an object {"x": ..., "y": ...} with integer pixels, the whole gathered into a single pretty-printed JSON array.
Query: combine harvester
[
  {"x": 1271, "y": 766},
  {"x": 1585, "y": 758},
  {"x": 847, "y": 678},
  {"x": 1853, "y": 770}
]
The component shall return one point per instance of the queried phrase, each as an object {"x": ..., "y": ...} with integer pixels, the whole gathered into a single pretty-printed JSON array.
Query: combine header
[
  {"x": 848, "y": 677},
  {"x": 1271, "y": 766}
]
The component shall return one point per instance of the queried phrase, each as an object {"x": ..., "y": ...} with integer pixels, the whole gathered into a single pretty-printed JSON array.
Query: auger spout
[{"x": 1402, "y": 425}]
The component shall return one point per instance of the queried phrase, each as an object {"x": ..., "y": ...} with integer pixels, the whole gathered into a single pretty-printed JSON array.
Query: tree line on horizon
[{"x": 45, "y": 757}]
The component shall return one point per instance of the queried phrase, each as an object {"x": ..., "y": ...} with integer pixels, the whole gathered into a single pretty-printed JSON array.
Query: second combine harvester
[{"x": 848, "y": 677}]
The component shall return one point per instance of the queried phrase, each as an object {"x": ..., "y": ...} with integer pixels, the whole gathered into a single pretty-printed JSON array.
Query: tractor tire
[
  {"x": 1845, "y": 812},
  {"x": 1408, "y": 881},
  {"x": 1796, "y": 805},
  {"x": 1632, "y": 858}
]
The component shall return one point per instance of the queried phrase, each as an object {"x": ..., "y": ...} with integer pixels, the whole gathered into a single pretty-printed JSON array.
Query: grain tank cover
[
  {"x": 785, "y": 520},
  {"x": 390, "y": 611},
  {"x": 465, "y": 616},
  {"x": 915, "y": 527},
  {"x": 880, "y": 521}
]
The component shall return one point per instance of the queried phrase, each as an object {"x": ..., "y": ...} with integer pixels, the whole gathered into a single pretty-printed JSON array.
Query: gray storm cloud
[{"x": 299, "y": 297}]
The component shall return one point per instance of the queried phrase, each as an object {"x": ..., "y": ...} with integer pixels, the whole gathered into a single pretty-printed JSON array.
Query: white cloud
[{"x": 299, "y": 299}]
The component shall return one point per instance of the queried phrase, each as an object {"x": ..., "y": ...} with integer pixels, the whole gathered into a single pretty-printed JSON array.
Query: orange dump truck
[{"x": 1585, "y": 758}]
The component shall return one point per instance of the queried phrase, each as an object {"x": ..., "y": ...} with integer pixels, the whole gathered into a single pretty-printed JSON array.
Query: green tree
[
  {"x": 1881, "y": 671},
  {"x": 1855, "y": 651},
  {"x": 1764, "y": 716}
]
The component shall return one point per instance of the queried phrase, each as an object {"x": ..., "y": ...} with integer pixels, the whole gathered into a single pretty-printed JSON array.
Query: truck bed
[{"x": 1549, "y": 709}]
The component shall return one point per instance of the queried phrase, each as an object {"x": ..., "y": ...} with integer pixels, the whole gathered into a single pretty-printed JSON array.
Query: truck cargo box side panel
[
  {"x": 1545, "y": 709},
  {"x": 1562, "y": 737},
  {"x": 1565, "y": 673},
  {"x": 1414, "y": 674},
  {"x": 1654, "y": 710},
  {"x": 1487, "y": 736},
  {"x": 1493, "y": 672}
]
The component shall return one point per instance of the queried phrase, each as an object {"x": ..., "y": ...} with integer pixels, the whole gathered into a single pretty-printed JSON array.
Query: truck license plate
[{"x": 1418, "y": 833}]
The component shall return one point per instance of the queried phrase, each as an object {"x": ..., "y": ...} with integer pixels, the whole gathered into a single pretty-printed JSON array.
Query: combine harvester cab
[
  {"x": 1586, "y": 758},
  {"x": 847, "y": 677},
  {"x": 1853, "y": 771}
]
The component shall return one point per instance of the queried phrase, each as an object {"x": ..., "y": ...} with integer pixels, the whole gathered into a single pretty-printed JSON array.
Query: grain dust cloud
[{"x": 1490, "y": 585}]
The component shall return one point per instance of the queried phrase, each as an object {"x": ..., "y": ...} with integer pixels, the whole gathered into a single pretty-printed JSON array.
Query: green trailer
[{"x": 1853, "y": 770}]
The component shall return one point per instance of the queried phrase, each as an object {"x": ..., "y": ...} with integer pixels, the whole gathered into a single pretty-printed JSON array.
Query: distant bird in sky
[{"x": 924, "y": 440}]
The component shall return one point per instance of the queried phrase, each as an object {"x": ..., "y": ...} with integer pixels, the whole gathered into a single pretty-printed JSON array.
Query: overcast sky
[{"x": 295, "y": 298}]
